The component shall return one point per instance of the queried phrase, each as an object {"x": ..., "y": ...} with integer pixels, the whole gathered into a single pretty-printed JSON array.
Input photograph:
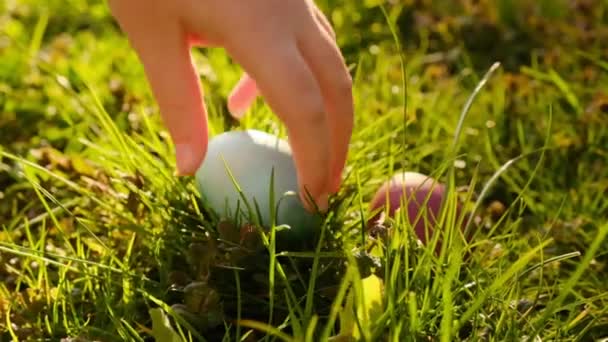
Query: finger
[
  {"x": 326, "y": 62},
  {"x": 290, "y": 89},
  {"x": 176, "y": 87},
  {"x": 196, "y": 40},
  {"x": 322, "y": 20},
  {"x": 245, "y": 92},
  {"x": 241, "y": 97}
]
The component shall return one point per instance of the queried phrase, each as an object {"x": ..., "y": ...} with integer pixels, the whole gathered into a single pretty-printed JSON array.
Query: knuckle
[
  {"x": 344, "y": 86},
  {"x": 313, "y": 112},
  {"x": 310, "y": 106},
  {"x": 332, "y": 33},
  {"x": 343, "y": 97}
]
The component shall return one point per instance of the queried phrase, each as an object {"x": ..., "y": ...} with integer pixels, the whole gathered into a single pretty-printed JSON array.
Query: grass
[{"x": 99, "y": 241}]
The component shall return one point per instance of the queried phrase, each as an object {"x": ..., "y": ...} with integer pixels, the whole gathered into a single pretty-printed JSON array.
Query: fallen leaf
[{"x": 161, "y": 327}]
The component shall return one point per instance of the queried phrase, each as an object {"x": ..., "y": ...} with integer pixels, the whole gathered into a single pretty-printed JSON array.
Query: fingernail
[
  {"x": 335, "y": 185},
  {"x": 185, "y": 159},
  {"x": 323, "y": 202},
  {"x": 237, "y": 112}
]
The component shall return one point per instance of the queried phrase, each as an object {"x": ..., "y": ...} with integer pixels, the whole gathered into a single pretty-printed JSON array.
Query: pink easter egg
[{"x": 415, "y": 190}]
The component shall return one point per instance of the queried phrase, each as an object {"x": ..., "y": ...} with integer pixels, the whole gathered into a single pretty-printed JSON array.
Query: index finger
[
  {"x": 319, "y": 48},
  {"x": 289, "y": 87},
  {"x": 164, "y": 50}
]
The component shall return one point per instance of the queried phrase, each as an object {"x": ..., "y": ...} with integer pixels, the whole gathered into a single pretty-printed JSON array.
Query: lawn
[{"x": 503, "y": 101}]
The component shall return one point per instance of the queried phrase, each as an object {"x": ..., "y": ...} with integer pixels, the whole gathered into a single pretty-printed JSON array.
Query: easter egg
[
  {"x": 248, "y": 158},
  {"x": 418, "y": 192}
]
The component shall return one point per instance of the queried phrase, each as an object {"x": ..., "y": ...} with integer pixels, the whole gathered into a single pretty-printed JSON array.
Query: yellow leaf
[
  {"x": 373, "y": 289},
  {"x": 371, "y": 307}
]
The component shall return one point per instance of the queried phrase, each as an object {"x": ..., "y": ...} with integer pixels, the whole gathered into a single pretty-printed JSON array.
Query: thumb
[
  {"x": 241, "y": 97},
  {"x": 176, "y": 87}
]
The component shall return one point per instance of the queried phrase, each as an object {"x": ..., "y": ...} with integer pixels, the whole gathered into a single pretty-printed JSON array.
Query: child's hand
[{"x": 288, "y": 49}]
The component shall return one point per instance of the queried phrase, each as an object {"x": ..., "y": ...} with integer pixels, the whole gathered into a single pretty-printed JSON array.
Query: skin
[{"x": 288, "y": 51}]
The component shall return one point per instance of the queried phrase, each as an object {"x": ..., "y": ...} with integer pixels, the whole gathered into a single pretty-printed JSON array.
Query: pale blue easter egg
[{"x": 249, "y": 157}]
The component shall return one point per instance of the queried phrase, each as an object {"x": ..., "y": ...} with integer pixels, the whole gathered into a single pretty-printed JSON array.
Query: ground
[{"x": 505, "y": 101}]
